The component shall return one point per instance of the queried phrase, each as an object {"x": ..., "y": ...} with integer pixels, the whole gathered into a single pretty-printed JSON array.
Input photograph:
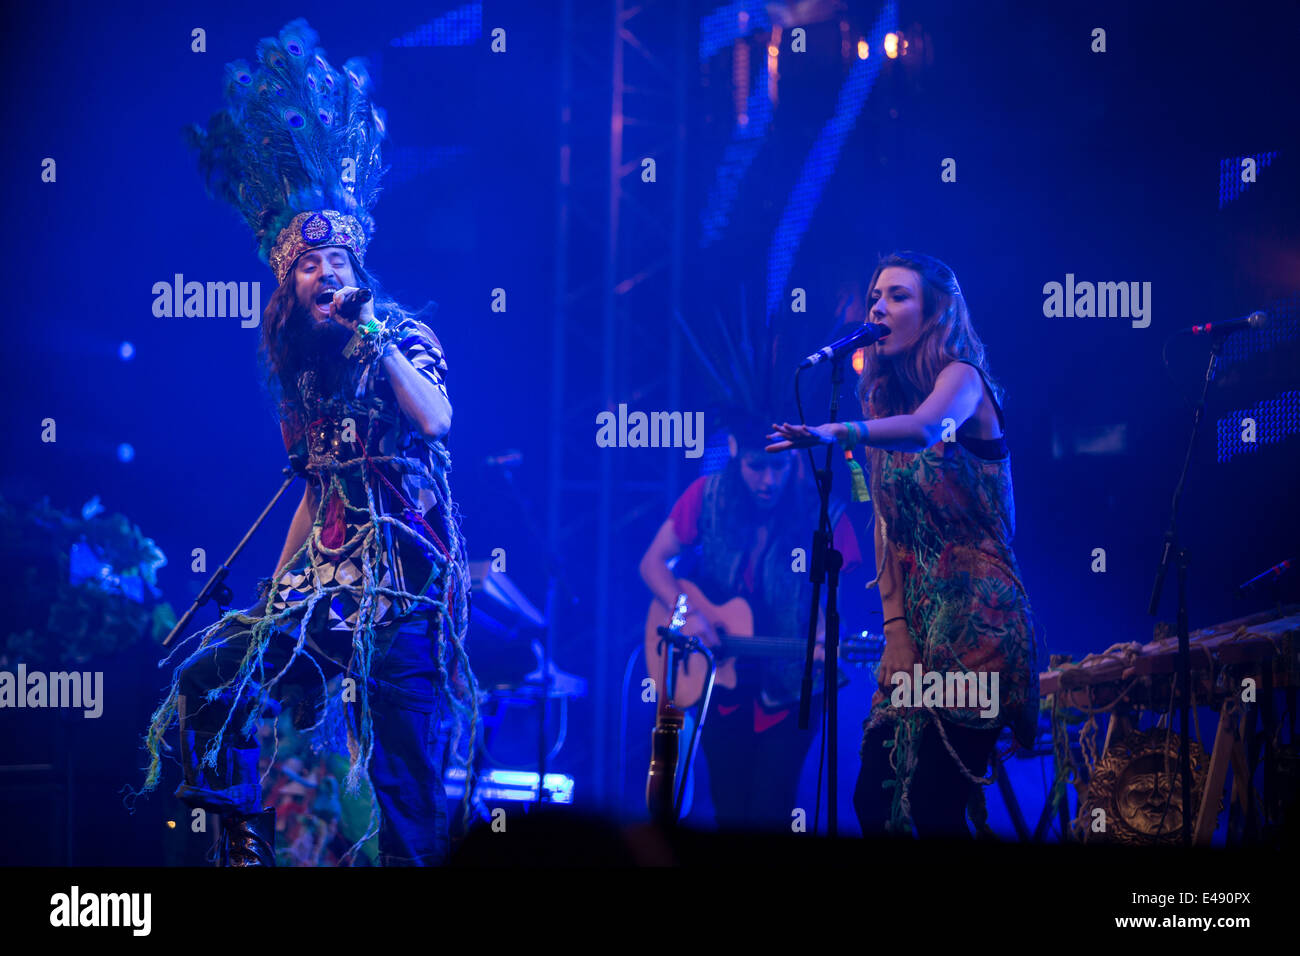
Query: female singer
[{"x": 949, "y": 583}]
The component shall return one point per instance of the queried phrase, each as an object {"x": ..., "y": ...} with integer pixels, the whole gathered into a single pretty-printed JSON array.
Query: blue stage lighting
[
  {"x": 1230, "y": 184},
  {"x": 1276, "y": 419},
  {"x": 716, "y": 454},
  {"x": 822, "y": 160},
  {"x": 724, "y": 26},
  {"x": 502, "y": 786},
  {"x": 746, "y": 140},
  {"x": 460, "y": 27}
]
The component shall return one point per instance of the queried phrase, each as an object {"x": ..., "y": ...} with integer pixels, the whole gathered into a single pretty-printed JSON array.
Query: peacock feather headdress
[
  {"x": 296, "y": 149},
  {"x": 746, "y": 358}
]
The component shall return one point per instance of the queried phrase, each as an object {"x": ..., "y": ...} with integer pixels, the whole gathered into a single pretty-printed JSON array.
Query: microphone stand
[
  {"x": 216, "y": 588},
  {"x": 678, "y": 646},
  {"x": 1174, "y": 551},
  {"x": 825, "y": 566}
]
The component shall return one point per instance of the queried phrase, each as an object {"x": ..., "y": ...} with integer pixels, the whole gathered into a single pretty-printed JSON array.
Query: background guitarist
[{"x": 734, "y": 531}]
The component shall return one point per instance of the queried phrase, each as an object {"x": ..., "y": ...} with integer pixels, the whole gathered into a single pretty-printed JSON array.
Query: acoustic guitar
[{"x": 734, "y": 623}]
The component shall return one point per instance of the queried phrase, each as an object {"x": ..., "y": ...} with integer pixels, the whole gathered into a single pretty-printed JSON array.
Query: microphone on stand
[
  {"x": 867, "y": 334},
  {"x": 1272, "y": 574},
  {"x": 1256, "y": 320}
]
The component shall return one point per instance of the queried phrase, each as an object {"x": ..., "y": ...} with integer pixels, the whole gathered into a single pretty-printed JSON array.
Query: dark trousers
[
  {"x": 405, "y": 701},
  {"x": 938, "y": 792},
  {"x": 753, "y": 777}
]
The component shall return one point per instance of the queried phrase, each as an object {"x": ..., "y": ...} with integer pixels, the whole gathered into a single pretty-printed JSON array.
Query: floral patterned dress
[{"x": 949, "y": 516}]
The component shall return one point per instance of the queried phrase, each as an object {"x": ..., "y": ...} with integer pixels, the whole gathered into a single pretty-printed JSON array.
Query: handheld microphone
[
  {"x": 1256, "y": 320},
  {"x": 350, "y": 308},
  {"x": 868, "y": 334}
]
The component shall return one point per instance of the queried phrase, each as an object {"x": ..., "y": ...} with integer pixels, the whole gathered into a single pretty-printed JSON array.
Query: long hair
[
  {"x": 730, "y": 515},
  {"x": 281, "y": 361},
  {"x": 727, "y": 522},
  {"x": 739, "y": 515},
  {"x": 898, "y": 385}
]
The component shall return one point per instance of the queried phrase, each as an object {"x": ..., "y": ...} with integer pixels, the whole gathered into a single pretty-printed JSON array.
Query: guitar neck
[
  {"x": 763, "y": 647},
  {"x": 853, "y": 648}
]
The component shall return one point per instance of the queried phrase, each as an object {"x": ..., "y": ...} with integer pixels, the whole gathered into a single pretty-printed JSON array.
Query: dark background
[{"x": 1101, "y": 165}]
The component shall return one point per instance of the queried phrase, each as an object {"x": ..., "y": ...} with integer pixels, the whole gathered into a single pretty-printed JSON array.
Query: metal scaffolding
[{"x": 619, "y": 252}]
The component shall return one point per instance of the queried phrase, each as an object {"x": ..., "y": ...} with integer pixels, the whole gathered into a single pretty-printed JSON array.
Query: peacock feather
[
  {"x": 295, "y": 135},
  {"x": 747, "y": 360}
]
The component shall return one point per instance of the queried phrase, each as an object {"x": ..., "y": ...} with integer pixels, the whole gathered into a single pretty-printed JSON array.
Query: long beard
[{"x": 318, "y": 346}]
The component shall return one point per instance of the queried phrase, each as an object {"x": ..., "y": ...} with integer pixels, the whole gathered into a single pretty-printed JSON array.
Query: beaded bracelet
[
  {"x": 368, "y": 341},
  {"x": 854, "y": 434}
]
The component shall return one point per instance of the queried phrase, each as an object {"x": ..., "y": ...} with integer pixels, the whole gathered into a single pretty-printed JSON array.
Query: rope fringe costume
[{"x": 296, "y": 151}]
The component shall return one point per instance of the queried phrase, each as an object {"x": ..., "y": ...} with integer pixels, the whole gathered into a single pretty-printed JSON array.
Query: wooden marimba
[{"x": 1237, "y": 665}]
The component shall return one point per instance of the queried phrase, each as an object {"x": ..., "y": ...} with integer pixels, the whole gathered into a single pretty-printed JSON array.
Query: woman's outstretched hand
[{"x": 787, "y": 436}]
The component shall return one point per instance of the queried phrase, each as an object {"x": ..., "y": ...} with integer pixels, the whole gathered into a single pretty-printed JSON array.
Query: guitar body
[
  {"x": 733, "y": 619},
  {"x": 734, "y": 624}
]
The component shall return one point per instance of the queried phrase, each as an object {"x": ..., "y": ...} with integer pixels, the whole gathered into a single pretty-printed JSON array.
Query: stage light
[
  {"x": 125, "y": 452},
  {"x": 891, "y": 45},
  {"x": 863, "y": 50},
  {"x": 859, "y": 360},
  {"x": 126, "y": 351},
  {"x": 773, "y": 74},
  {"x": 730, "y": 22},
  {"x": 500, "y": 786}
]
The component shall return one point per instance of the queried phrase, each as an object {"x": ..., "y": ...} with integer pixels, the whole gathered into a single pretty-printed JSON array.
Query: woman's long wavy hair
[
  {"x": 280, "y": 361},
  {"x": 898, "y": 385}
]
